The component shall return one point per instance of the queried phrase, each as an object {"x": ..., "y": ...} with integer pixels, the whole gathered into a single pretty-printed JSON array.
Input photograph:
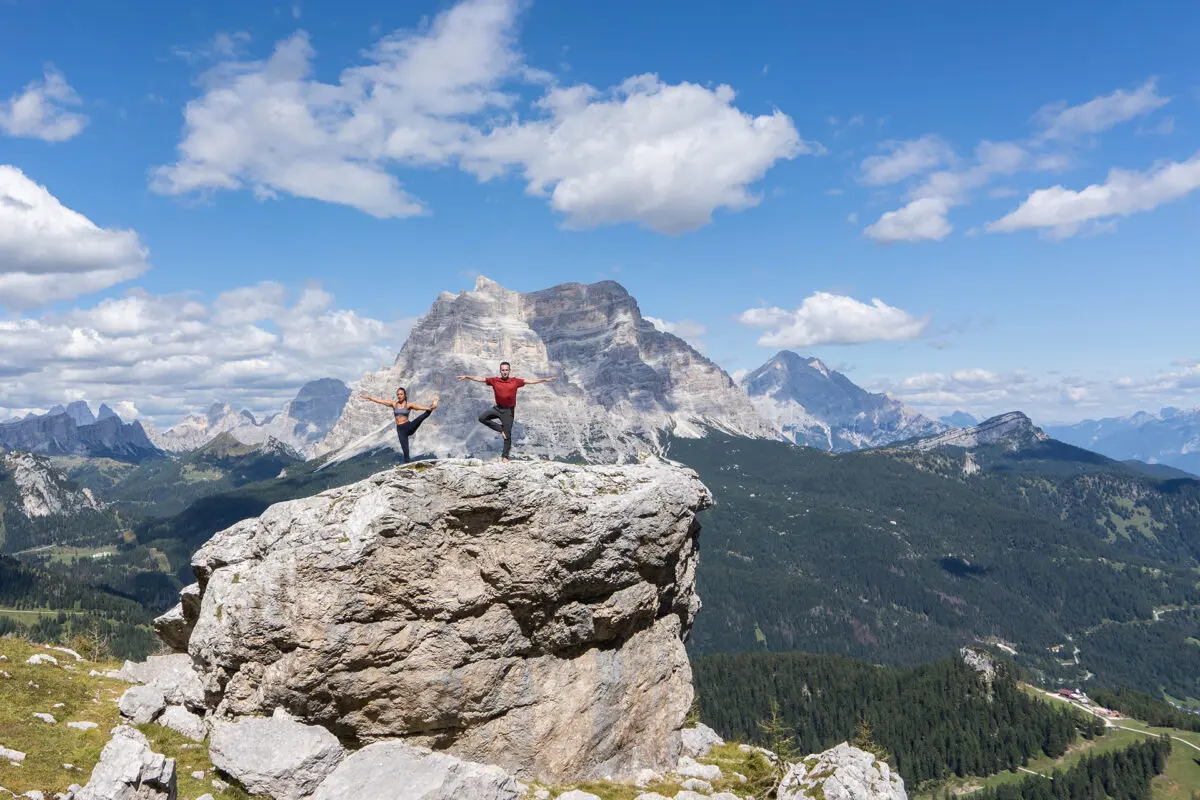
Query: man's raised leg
[{"x": 491, "y": 418}]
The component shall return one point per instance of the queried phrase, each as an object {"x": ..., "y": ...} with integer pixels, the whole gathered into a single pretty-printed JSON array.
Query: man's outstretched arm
[
  {"x": 472, "y": 378},
  {"x": 531, "y": 381}
]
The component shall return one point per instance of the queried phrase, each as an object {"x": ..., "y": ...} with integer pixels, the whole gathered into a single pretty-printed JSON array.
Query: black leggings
[
  {"x": 500, "y": 419},
  {"x": 407, "y": 429}
]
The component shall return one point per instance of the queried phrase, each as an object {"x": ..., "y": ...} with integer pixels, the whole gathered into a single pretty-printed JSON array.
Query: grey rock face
[
  {"x": 59, "y": 435},
  {"x": 142, "y": 704},
  {"x": 396, "y": 771},
  {"x": 815, "y": 406},
  {"x": 842, "y": 773},
  {"x": 621, "y": 383},
  {"x": 129, "y": 770},
  {"x": 529, "y": 615},
  {"x": 174, "y": 628},
  {"x": 275, "y": 756}
]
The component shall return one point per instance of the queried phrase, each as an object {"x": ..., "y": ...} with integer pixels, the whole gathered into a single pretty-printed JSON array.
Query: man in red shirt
[{"x": 500, "y": 416}]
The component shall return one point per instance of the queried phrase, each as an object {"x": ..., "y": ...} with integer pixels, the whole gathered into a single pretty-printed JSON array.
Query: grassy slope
[{"x": 49, "y": 747}]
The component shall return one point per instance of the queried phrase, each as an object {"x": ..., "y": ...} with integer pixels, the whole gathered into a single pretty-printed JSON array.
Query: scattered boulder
[
  {"x": 179, "y": 719},
  {"x": 527, "y": 615},
  {"x": 68, "y": 651},
  {"x": 42, "y": 658},
  {"x": 645, "y": 777},
  {"x": 173, "y": 675},
  {"x": 129, "y": 770},
  {"x": 275, "y": 756},
  {"x": 49, "y": 718},
  {"x": 698, "y": 741},
  {"x": 82, "y": 726},
  {"x": 11, "y": 755},
  {"x": 690, "y": 768},
  {"x": 369, "y": 774},
  {"x": 697, "y": 785},
  {"x": 577, "y": 794},
  {"x": 142, "y": 704},
  {"x": 842, "y": 773}
]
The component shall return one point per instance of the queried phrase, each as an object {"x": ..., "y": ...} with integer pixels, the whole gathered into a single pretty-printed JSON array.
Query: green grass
[
  {"x": 48, "y": 747},
  {"x": 29, "y": 616}
]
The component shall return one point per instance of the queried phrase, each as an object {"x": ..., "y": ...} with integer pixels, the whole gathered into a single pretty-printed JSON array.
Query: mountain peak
[
  {"x": 816, "y": 406},
  {"x": 105, "y": 412}
]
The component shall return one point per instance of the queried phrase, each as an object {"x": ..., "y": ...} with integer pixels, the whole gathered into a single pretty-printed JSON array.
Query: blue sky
[{"x": 756, "y": 177}]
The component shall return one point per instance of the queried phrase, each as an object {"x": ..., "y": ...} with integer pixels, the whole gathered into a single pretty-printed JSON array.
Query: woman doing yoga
[{"x": 400, "y": 408}]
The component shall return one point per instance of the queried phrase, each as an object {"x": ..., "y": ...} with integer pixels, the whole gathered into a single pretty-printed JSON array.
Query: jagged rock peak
[
  {"x": 1012, "y": 431},
  {"x": 529, "y": 615},
  {"x": 621, "y": 384},
  {"x": 42, "y": 490},
  {"x": 816, "y": 406}
]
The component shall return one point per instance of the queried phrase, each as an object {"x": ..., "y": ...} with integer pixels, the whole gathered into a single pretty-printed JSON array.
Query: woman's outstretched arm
[{"x": 376, "y": 400}]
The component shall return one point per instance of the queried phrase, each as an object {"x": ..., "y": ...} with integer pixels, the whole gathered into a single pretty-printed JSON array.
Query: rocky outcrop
[
  {"x": 699, "y": 740},
  {"x": 527, "y": 615},
  {"x": 842, "y": 773},
  {"x": 622, "y": 385},
  {"x": 1011, "y": 431},
  {"x": 816, "y": 406},
  {"x": 59, "y": 435},
  {"x": 174, "y": 628},
  {"x": 42, "y": 490},
  {"x": 129, "y": 770}
]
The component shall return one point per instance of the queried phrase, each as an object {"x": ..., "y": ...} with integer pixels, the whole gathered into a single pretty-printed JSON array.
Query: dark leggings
[
  {"x": 500, "y": 419},
  {"x": 407, "y": 429}
]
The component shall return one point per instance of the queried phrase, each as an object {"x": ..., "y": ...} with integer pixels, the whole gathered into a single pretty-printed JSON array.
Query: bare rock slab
[
  {"x": 397, "y": 771},
  {"x": 275, "y": 756}
]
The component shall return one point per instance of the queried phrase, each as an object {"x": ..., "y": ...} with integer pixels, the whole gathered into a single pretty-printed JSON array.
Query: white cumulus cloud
[
  {"x": 686, "y": 329},
  {"x": 38, "y": 111},
  {"x": 49, "y": 252},
  {"x": 662, "y": 155},
  {"x": 1124, "y": 193},
  {"x": 825, "y": 318},
  {"x": 167, "y": 355},
  {"x": 1060, "y": 121}
]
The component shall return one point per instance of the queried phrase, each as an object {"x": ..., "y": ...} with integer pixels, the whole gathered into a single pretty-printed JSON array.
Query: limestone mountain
[
  {"x": 1171, "y": 437},
  {"x": 960, "y": 419},
  {"x": 60, "y": 433},
  {"x": 815, "y": 406},
  {"x": 1012, "y": 431},
  {"x": 622, "y": 384},
  {"x": 300, "y": 424},
  {"x": 39, "y": 505}
]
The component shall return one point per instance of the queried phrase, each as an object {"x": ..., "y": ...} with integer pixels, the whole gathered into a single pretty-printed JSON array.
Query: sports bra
[{"x": 400, "y": 412}]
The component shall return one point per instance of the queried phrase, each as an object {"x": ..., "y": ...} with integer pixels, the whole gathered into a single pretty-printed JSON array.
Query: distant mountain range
[
  {"x": 301, "y": 424},
  {"x": 818, "y": 407},
  {"x": 1169, "y": 437},
  {"x": 74, "y": 431}
]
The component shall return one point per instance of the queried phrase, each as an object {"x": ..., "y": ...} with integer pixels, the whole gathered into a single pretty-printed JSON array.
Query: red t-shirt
[{"x": 506, "y": 390}]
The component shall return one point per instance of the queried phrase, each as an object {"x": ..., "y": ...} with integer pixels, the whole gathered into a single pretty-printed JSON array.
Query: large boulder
[
  {"x": 129, "y": 770},
  {"x": 530, "y": 615},
  {"x": 275, "y": 756},
  {"x": 842, "y": 773},
  {"x": 396, "y": 771},
  {"x": 173, "y": 675}
]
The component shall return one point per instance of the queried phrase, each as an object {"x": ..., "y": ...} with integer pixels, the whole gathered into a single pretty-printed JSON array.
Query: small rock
[
  {"x": 42, "y": 658},
  {"x": 650, "y": 796},
  {"x": 697, "y": 785},
  {"x": 3, "y": 658},
  {"x": 698, "y": 741},
  {"x": 46, "y": 718},
  {"x": 198, "y": 776},
  {"x": 724, "y": 796},
  {"x": 179, "y": 719},
  {"x": 739, "y": 777},
  {"x": 690, "y": 768},
  {"x": 32, "y": 685},
  {"x": 541, "y": 794},
  {"x": 644, "y": 777},
  {"x": 94, "y": 674},
  {"x": 142, "y": 704},
  {"x": 688, "y": 794},
  {"x": 60, "y": 705},
  {"x": 4, "y": 674},
  {"x": 71, "y": 653},
  {"x": 219, "y": 784},
  {"x": 34, "y": 794},
  {"x": 128, "y": 768},
  {"x": 205, "y": 797},
  {"x": 82, "y": 726},
  {"x": 11, "y": 755},
  {"x": 577, "y": 794},
  {"x": 68, "y": 766}
]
